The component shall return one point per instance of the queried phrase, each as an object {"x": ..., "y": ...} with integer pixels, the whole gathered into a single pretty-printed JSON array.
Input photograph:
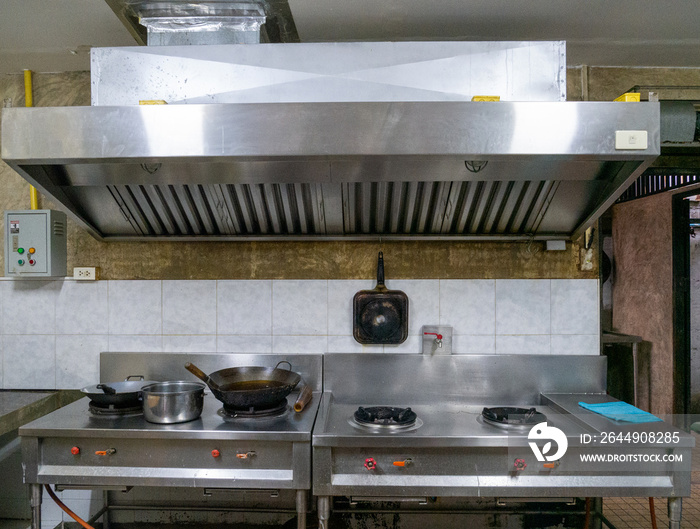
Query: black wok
[
  {"x": 128, "y": 391},
  {"x": 249, "y": 387}
]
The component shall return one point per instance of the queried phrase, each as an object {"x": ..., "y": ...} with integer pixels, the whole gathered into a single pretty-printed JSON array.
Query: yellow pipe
[
  {"x": 29, "y": 102},
  {"x": 28, "y": 99}
]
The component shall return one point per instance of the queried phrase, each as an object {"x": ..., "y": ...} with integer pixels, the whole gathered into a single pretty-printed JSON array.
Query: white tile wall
[
  {"x": 300, "y": 308},
  {"x": 78, "y": 360},
  {"x": 189, "y": 307},
  {"x": 523, "y": 306},
  {"x": 51, "y": 332},
  {"x": 29, "y": 307},
  {"x": 29, "y": 361},
  {"x": 244, "y": 307},
  {"x": 81, "y": 308},
  {"x": 135, "y": 307}
]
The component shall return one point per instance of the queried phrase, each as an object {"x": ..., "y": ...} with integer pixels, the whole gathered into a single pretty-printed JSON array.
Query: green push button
[
  {"x": 21, "y": 262},
  {"x": 20, "y": 251}
]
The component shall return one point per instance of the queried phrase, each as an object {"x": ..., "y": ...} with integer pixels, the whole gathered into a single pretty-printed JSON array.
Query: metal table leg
[
  {"x": 324, "y": 511},
  {"x": 675, "y": 506},
  {"x": 302, "y": 501},
  {"x": 36, "y": 505},
  {"x": 105, "y": 516}
]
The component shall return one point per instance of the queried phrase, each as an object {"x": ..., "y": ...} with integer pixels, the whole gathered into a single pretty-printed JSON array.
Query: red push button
[
  {"x": 215, "y": 453},
  {"x": 75, "y": 450},
  {"x": 32, "y": 262}
]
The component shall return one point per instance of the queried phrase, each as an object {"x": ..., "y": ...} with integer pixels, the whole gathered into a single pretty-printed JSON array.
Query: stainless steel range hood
[{"x": 443, "y": 167}]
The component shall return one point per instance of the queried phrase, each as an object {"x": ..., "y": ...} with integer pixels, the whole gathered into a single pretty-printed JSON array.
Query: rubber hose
[
  {"x": 652, "y": 513},
  {"x": 67, "y": 510}
]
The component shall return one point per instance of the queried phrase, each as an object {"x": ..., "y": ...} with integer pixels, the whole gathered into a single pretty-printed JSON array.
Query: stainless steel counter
[
  {"x": 75, "y": 421},
  {"x": 443, "y": 424}
]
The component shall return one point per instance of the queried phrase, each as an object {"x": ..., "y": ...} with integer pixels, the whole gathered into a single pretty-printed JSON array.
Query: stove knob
[
  {"x": 75, "y": 450},
  {"x": 215, "y": 453},
  {"x": 520, "y": 464},
  {"x": 245, "y": 455},
  {"x": 370, "y": 464}
]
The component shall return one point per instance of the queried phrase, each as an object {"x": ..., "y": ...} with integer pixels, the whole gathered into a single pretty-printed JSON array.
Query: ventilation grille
[
  {"x": 59, "y": 228},
  {"x": 398, "y": 208},
  {"x": 655, "y": 180}
]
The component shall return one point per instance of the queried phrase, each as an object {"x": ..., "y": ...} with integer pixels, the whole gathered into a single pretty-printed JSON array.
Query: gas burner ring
[
  {"x": 385, "y": 428},
  {"x": 385, "y": 416},
  {"x": 266, "y": 413},
  {"x": 385, "y": 419},
  {"x": 113, "y": 411},
  {"x": 511, "y": 418}
]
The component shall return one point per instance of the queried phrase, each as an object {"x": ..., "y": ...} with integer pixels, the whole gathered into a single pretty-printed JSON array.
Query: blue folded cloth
[{"x": 620, "y": 411}]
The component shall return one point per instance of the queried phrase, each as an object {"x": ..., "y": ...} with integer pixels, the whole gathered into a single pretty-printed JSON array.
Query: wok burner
[
  {"x": 385, "y": 418},
  {"x": 115, "y": 410},
  {"x": 512, "y": 418},
  {"x": 229, "y": 412}
]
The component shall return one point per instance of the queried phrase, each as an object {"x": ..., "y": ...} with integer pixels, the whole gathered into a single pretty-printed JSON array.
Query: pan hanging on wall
[{"x": 380, "y": 316}]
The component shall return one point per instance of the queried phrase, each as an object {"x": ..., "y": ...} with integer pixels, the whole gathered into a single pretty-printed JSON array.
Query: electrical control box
[{"x": 35, "y": 243}]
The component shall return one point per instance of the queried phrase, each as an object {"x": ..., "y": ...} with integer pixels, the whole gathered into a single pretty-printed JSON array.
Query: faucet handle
[{"x": 438, "y": 338}]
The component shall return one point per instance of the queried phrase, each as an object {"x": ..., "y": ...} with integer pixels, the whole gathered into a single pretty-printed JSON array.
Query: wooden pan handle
[
  {"x": 303, "y": 399},
  {"x": 201, "y": 375}
]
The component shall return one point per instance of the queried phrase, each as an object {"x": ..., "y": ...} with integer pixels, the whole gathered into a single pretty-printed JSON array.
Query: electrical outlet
[{"x": 85, "y": 273}]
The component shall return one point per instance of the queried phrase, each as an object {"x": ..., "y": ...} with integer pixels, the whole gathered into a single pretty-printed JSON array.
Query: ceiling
[{"x": 51, "y": 36}]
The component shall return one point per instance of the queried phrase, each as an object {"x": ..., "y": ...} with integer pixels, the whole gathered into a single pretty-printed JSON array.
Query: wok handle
[
  {"x": 200, "y": 375},
  {"x": 135, "y": 377},
  {"x": 284, "y": 362},
  {"x": 107, "y": 390},
  {"x": 380, "y": 269},
  {"x": 304, "y": 398}
]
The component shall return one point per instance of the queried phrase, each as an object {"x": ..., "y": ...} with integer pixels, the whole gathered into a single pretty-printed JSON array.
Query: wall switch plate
[
  {"x": 631, "y": 140},
  {"x": 555, "y": 246},
  {"x": 85, "y": 273}
]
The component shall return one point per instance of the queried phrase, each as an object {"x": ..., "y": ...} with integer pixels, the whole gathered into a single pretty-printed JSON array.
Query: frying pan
[
  {"x": 117, "y": 392},
  {"x": 380, "y": 316},
  {"x": 249, "y": 387}
]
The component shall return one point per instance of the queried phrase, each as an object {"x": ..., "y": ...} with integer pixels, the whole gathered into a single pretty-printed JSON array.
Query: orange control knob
[
  {"x": 107, "y": 452},
  {"x": 215, "y": 453},
  {"x": 245, "y": 455},
  {"x": 370, "y": 464},
  {"x": 404, "y": 463},
  {"x": 75, "y": 450}
]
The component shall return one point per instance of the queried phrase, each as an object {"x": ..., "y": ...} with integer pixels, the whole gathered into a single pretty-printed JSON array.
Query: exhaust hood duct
[
  {"x": 177, "y": 22},
  {"x": 324, "y": 157}
]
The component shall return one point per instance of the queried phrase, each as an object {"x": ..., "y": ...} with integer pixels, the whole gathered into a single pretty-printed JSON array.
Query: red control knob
[
  {"x": 520, "y": 464},
  {"x": 215, "y": 453},
  {"x": 370, "y": 464},
  {"x": 75, "y": 450}
]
